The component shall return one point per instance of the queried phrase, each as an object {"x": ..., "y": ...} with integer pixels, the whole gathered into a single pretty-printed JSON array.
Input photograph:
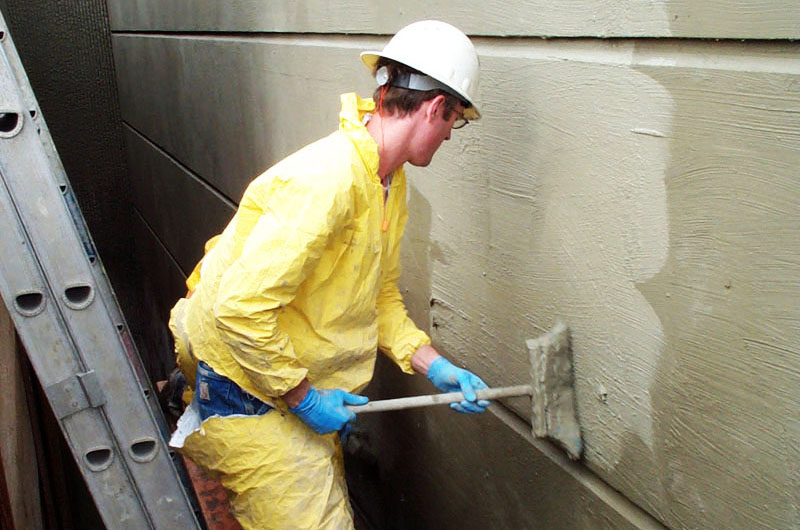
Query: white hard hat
[{"x": 439, "y": 51}]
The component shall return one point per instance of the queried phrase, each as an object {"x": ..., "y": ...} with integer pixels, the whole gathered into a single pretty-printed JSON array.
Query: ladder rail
[
  {"x": 59, "y": 176},
  {"x": 68, "y": 318},
  {"x": 86, "y": 430}
]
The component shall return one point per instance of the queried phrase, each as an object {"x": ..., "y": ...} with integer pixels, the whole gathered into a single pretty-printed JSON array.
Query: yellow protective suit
[{"x": 301, "y": 283}]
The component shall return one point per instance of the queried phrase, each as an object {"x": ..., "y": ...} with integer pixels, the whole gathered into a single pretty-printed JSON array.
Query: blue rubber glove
[
  {"x": 324, "y": 411},
  {"x": 449, "y": 378}
]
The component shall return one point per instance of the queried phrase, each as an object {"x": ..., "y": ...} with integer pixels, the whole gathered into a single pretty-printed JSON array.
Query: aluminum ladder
[{"x": 69, "y": 321}]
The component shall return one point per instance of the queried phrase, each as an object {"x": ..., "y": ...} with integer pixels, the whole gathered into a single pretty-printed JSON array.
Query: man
[{"x": 292, "y": 300}]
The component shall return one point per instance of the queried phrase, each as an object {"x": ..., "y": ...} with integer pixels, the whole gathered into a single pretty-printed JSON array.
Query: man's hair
[{"x": 404, "y": 101}]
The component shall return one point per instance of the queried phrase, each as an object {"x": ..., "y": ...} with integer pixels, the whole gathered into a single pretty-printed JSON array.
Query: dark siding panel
[{"x": 182, "y": 211}]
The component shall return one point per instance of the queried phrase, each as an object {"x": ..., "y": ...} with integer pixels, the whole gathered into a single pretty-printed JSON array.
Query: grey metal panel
[
  {"x": 162, "y": 274},
  {"x": 162, "y": 283},
  {"x": 741, "y": 19},
  {"x": 609, "y": 183},
  {"x": 228, "y": 109},
  {"x": 182, "y": 211}
]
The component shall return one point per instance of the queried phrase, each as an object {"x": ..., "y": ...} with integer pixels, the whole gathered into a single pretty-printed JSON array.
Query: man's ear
[{"x": 435, "y": 108}]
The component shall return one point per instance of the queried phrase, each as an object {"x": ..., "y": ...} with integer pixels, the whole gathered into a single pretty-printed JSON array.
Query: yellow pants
[{"x": 279, "y": 473}]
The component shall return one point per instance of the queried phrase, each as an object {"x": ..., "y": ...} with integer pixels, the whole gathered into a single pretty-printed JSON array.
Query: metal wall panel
[
  {"x": 162, "y": 283},
  {"x": 182, "y": 211},
  {"x": 644, "y": 191},
  {"x": 230, "y": 108},
  {"x": 739, "y": 19}
]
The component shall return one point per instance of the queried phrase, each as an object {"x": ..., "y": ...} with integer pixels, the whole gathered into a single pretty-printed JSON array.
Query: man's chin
[{"x": 423, "y": 163}]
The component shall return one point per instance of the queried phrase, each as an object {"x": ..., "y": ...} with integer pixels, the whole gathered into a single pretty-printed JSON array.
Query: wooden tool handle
[{"x": 439, "y": 399}]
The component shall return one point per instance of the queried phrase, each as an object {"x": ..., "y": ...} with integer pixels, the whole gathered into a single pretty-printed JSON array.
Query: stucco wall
[{"x": 643, "y": 190}]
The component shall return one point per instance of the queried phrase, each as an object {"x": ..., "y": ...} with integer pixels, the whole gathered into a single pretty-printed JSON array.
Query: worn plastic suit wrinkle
[
  {"x": 301, "y": 283},
  {"x": 321, "y": 255}
]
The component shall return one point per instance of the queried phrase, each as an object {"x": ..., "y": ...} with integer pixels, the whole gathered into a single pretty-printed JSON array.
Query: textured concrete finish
[
  {"x": 644, "y": 192},
  {"x": 630, "y": 191},
  {"x": 748, "y": 19},
  {"x": 438, "y": 469}
]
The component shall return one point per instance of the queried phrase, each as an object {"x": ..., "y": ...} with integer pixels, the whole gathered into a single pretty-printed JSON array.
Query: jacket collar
[{"x": 351, "y": 123}]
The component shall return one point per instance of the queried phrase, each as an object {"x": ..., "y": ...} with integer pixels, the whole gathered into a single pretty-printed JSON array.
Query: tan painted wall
[
  {"x": 744, "y": 19},
  {"x": 645, "y": 191}
]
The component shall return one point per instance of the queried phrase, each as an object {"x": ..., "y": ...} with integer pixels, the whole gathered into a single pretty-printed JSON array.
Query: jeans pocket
[
  {"x": 262, "y": 408},
  {"x": 219, "y": 396}
]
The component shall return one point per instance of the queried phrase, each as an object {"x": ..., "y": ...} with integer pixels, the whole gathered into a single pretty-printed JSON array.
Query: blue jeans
[{"x": 219, "y": 396}]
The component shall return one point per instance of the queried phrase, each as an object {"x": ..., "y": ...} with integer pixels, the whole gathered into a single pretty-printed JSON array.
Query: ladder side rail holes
[{"x": 55, "y": 302}]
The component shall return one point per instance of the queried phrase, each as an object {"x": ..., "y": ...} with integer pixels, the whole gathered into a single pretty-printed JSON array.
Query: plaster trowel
[{"x": 553, "y": 413}]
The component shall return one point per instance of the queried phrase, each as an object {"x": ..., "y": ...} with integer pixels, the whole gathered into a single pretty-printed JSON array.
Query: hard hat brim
[{"x": 370, "y": 59}]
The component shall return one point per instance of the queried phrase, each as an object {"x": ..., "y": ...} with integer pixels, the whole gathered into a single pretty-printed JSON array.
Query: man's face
[{"x": 433, "y": 130}]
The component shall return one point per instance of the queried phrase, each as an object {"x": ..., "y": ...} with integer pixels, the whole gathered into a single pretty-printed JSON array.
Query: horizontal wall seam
[
  {"x": 213, "y": 190},
  {"x": 613, "y": 498},
  {"x": 710, "y": 54},
  {"x": 159, "y": 242},
  {"x": 296, "y": 34}
]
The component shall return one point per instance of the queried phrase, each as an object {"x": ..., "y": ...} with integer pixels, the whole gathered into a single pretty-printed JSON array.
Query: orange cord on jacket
[{"x": 385, "y": 190}]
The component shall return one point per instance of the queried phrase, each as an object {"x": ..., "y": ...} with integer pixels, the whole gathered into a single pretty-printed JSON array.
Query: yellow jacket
[{"x": 303, "y": 280}]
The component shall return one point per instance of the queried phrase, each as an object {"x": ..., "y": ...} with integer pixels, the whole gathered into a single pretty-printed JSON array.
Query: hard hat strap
[{"x": 422, "y": 82}]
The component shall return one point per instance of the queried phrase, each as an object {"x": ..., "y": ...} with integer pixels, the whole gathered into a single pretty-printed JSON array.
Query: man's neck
[{"x": 391, "y": 134}]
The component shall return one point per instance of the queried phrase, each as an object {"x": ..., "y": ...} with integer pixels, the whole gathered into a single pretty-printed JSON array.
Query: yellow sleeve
[
  {"x": 292, "y": 221},
  {"x": 398, "y": 336},
  {"x": 194, "y": 277}
]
